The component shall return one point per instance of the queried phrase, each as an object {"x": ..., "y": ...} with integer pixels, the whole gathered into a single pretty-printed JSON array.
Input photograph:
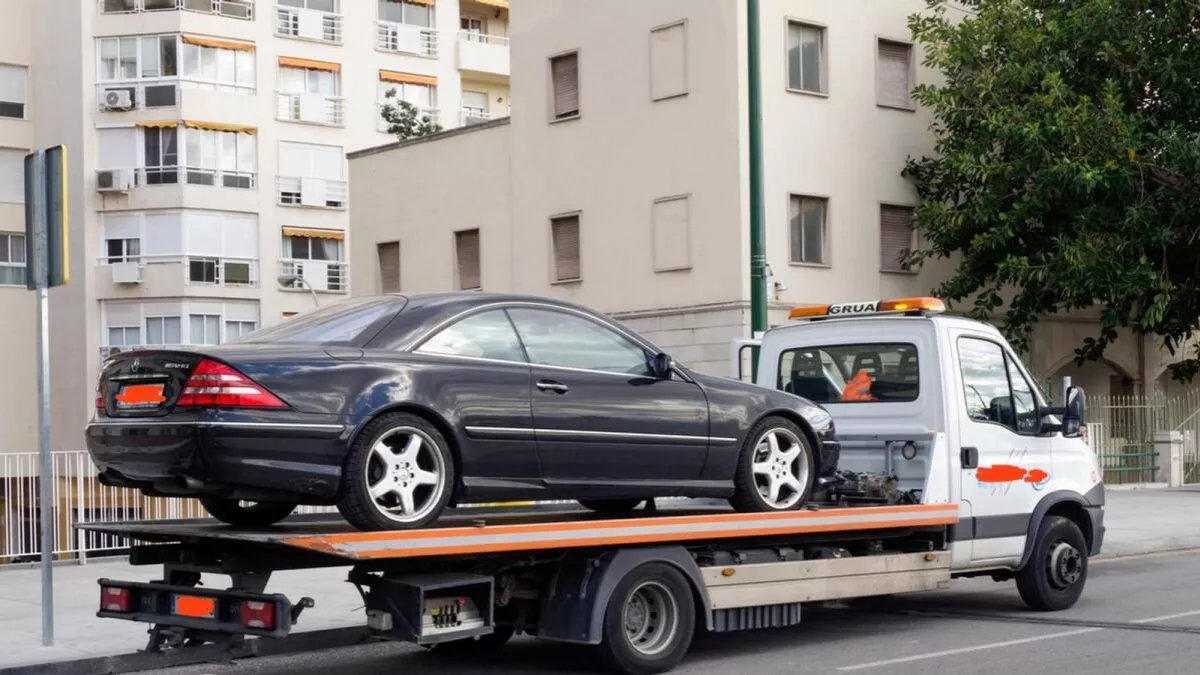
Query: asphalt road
[{"x": 1137, "y": 614}]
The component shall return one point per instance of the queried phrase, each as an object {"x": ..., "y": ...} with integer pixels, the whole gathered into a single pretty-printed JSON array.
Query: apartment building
[
  {"x": 622, "y": 182},
  {"x": 208, "y": 180}
]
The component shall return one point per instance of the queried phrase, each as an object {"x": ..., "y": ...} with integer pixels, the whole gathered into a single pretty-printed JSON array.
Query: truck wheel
[
  {"x": 649, "y": 621},
  {"x": 399, "y": 474},
  {"x": 776, "y": 469},
  {"x": 611, "y": 506},
  {"x": 252, "y": 514},
  {"x": 1054, "y": 576}
]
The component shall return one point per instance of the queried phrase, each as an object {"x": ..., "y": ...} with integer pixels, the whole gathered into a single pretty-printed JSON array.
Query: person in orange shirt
[{"x": 858, "y": 388}]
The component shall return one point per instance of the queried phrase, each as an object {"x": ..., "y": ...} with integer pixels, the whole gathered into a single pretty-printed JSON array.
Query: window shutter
[
  {"x": 565, "y": 232},
  {"x": 893, "y": 72},
  {"x": 466, "y": 248},
  {"x": 895, "y": 236},
  {"x": 389, "y": 266},
  {"x": 565, "y": 74}
]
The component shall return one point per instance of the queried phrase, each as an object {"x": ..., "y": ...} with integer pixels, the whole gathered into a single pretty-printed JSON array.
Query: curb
[
  {"x": 298, "y": 643},
  {"x": 1162, "y": 545}
]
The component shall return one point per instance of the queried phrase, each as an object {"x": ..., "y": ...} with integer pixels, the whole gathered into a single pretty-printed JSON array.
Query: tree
[
  {"x": 1067, "y": 166},
  {"x": 406, "y": 120}
]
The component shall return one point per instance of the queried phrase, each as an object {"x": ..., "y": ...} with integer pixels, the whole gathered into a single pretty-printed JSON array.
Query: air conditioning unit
[
  {"x": 126, "y": 273},
  {"x": 118, "y": 99},
  {"x": 114, "y": 180}
]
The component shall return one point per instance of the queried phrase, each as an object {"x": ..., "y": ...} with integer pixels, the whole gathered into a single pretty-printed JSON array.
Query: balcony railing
[
  {"x": 468, "y": 116},
  {"x": 322, "y": 275},
  {"x": 311, "y": 108},
  {"x": 148, "y": 176},
  {"x": 406, "y": 39},
  {"x": 237, "y": 9},
  {"x": 381, "y": 125},
  {"x": 482, "y": 38},
  {"x": 308, "y": 24},
  {"x": 225, "y": 271},
  {"x": 309, "y": 191}
]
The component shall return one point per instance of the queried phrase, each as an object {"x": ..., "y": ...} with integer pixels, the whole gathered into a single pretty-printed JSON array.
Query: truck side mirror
[{"x": 1074, "y": 411}]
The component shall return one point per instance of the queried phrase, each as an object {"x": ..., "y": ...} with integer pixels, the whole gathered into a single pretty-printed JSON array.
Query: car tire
[
  {"x": 767, "y": 468},
  {"x": 398, "y": 475},
  {"x": 1053, "y": 577},
  {"x": 256, "y": 514},
  {"x": 611, "y": 506},
  {"x": 654, "y": 634}
]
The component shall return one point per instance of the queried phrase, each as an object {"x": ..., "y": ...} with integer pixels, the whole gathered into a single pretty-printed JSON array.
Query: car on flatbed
[{"x": 395, "y": 407}]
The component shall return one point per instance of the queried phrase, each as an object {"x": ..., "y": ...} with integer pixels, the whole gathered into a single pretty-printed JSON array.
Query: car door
[
  {"x": 598, "y": 412},
  {"x": 1006, "y": 463},
  {"x": 483, "y": 386}
]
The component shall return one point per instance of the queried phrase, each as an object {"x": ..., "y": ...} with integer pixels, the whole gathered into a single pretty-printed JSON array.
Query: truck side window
[
  {"x": 1024, "y": 403},
  {"x": 990, "y": 394}
]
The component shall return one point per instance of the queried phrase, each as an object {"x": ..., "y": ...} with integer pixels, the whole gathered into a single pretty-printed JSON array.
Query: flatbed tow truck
[{"x": 913, "y": 508}]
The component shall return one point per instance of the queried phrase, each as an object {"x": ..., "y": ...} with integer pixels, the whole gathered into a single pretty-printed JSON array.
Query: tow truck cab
[{"x": 944, "y": 404}]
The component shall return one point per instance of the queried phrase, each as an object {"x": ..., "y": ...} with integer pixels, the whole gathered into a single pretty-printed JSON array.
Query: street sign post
[{"x": 46, "y": 260}]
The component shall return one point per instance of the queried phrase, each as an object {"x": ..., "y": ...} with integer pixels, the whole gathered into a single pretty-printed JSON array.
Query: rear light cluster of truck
[
  {"x": 258, "y": 615},
  {"x": 216, "y": 385}
]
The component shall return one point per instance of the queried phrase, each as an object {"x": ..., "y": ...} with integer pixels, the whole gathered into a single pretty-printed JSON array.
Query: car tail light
[
  {"x": 113, "y": 599},
  {"x": 257, "y": 614},
  {"x": 215, "y": 384}
]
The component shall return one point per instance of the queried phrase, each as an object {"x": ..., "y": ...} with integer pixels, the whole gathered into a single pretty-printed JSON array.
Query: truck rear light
[
  {"x": 113, "y": 599},
  {"x": 257, "y": 614},
  {"x": 217, "y": 385}
]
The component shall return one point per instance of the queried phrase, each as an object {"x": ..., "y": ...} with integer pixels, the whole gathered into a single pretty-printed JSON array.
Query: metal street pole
[{"x": 758, "y": 254}]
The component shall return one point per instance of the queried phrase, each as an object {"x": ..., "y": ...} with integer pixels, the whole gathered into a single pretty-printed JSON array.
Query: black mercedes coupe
[{"x": 396, "y": 407}]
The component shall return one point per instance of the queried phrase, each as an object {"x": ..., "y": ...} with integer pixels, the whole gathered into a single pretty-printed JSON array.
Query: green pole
[{"x": 758, "y": 254}]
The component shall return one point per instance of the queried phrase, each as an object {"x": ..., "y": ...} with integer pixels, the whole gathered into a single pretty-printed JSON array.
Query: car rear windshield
[
  {"x": 350, "y": 322},
  {"x": 883, "y": 373}
]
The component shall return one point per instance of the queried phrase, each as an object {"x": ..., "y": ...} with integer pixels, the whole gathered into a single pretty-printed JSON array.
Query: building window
[
  {"x": 161, "y": 145},
  {"x": 564, "y": 233},
  {"x": 124, "y": 336},
  {"x": 388, "y": 254},
  {"x": 236, "y": 329},
  {"x": 14, "y": 91},
  {"x": 564, "y": 76},
  {"x": 309, "y": 19},
  {"x": 316, "y": 257},
  {"x": 807, "y": 230},
  {"x": 204, "y": 329},
  {"x": 895, "y": 237},
  {"x": 308, "y": 91},
  {"x": 671, "y": 221},
  {"x": 806, "y": 58},
  {"x": 164, "y": 330},
  {"x": 225, "y": 158},
  {"x": 466, "y": 257},
  {"x": 218, "y": 68},
  {"x": 312, "y": 248},
  {"x": 12, "y": 259},
  {"x": 294, "y": 80},
  {"x": 410, "y": 13},
  {"x": 12, "y": 175},
  {"x": 894, "y": 73},
  {"x": 311, "y": 175},
  {"x": 668, "y": 61},
  {"x": 419, "y": 90},
  {"x": 123, "y": 250}
]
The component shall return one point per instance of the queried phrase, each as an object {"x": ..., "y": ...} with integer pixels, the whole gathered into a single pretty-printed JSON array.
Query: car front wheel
[
  {"x": 776, "y": 469},
  {"x": 399, "y": 474}
]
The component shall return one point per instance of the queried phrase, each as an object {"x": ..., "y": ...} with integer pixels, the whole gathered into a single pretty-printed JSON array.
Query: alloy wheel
[
  {"x": 780, "y": 468},
  {"x": 405, "y": 474}
]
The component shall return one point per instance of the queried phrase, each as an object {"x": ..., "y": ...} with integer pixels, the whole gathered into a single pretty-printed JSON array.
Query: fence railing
[
  {"x": 406, "y": 39},
  {"x": 237, "y": 9},
  {"x": 1122, "y": 431},
  {"x": 308, "y": 24},
  {"x": 311, "y": 191},
  {"x": 311, "y": 108}
]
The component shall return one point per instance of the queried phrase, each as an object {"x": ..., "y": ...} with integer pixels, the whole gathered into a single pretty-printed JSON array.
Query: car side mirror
[
  {"x": 1074, "y": 412},
  {"x": 662, "y": 365}
]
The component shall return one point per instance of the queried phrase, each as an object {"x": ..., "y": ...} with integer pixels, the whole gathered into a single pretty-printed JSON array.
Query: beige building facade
[
  {"x": 208, "y": 182},
  {"x": 622, "y": 181}
]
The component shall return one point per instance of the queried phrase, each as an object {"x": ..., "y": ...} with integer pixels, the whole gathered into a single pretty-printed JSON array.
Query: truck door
[{"x": 1005, "y": 464}]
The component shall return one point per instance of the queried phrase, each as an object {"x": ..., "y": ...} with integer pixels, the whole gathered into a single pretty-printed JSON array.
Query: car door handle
[
  {"x": 970, "y": 458},
  {"x": 551, "y": 385}
]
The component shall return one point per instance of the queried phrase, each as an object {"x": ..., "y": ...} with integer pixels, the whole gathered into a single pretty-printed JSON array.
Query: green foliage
[
  {"x": 406, "y": 120},
  {"x": 1067, "y": 167}
]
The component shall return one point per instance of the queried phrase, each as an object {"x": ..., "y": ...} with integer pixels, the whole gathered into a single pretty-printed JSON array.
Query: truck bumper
[{"x": 1096, "y": 514}]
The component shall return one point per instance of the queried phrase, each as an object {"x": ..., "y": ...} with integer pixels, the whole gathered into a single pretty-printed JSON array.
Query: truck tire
[
  {"x": 776, "y": 469},
  {"x": 255, "y": 514},
  {"x": 1054, "y": 576},
  {"x": 611, "y": 506},
  {"x": 649, "y": 621}
]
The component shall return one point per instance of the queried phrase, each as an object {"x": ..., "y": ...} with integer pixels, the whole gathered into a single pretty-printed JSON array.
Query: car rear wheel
[
  {"x": 611, "y": 506},
  {"x": 776, "y": 469},
  {"x": 399, "y": 474},
  {"x": 246, "y": 514}
]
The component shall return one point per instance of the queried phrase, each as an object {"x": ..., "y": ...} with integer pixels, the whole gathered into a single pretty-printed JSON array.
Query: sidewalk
[{"x": 1138, "y": 522}]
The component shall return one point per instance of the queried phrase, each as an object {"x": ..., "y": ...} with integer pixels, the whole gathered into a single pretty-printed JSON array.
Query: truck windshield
[{"x": 882, "y": 372}]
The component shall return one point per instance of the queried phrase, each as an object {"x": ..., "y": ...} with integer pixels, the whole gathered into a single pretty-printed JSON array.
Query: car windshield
[{"x": 342, "y": 323}]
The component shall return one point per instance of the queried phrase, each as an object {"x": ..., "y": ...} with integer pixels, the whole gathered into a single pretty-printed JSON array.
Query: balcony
[
  {"x": 322, "y": 276},
  {"x": 381, "y": 125},
  {"x": 321, "y": 193},
  {"x": 469, "y": 116},
  {"x": 403, "y": 38},
  {"x": 175, "y": 275},
  {"x": 235, "y": 9},
  {"x": 204, "y": 99},
  {"x": 308, "y": 24},
  {"x": 483, "y": 54},
  {"x": 311, "y": 109}
]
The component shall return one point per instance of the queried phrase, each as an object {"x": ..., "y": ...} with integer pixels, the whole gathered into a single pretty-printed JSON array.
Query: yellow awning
[
  {"x": 421, "y": 2},
  {"x": 218, "y": 126},
  {"x": 159, "y": 124},
  {"x": 406, "y": 78},
  {"x": 293, "y": 62},
  {"x": 313, "y": 234},
  {"x": 215, "y": 43},
  {"x": 502, "y": 4}
]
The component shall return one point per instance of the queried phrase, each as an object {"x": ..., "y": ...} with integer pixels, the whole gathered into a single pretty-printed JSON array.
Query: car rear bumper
[{"x": 237, "y": 458}]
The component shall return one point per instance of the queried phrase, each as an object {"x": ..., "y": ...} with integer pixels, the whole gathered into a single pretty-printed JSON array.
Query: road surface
[{"x": 1137, "y": 614}]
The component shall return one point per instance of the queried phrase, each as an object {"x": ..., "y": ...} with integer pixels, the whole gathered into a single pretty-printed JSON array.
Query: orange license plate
[
  {"x": 134, "y": 396},
  {"x": 200, "y": 608}
]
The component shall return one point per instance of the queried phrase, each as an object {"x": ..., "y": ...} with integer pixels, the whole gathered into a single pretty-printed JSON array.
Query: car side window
[
  {"x": 486, "y": 335},
  {"x": 560, "y": 339}
]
